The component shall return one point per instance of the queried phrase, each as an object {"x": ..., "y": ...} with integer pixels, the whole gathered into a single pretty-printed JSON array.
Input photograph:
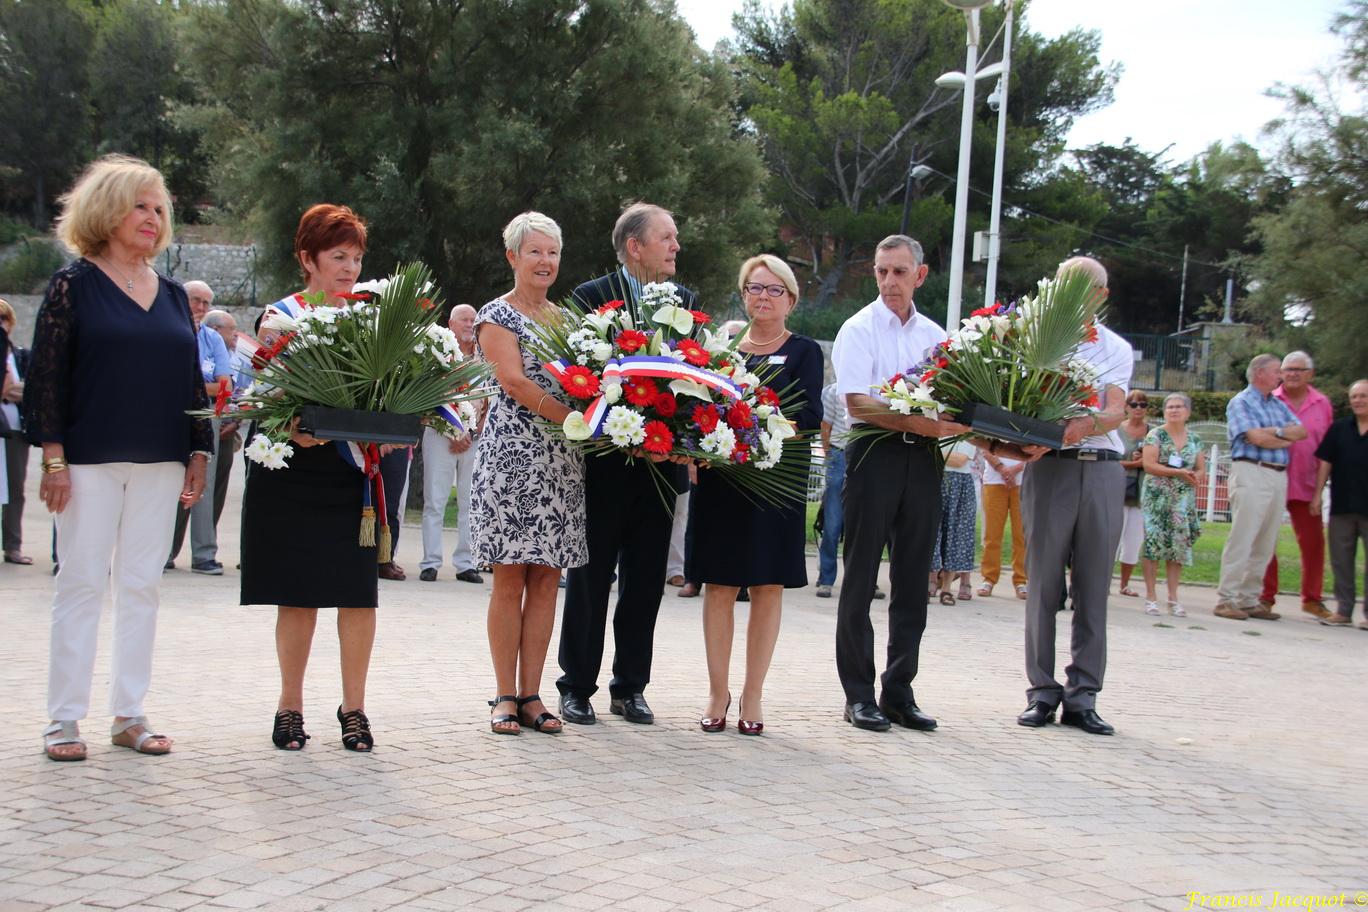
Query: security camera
[{"x": 994, "y": 100}]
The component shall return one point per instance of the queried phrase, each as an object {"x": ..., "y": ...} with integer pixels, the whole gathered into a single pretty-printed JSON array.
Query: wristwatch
[{"x": 1278, "y": 432}]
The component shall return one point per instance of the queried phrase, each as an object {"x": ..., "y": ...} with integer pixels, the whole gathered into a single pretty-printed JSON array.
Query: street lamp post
[
  {"x": 970, "y": 8},
  {"x": 995, "y": 218}
]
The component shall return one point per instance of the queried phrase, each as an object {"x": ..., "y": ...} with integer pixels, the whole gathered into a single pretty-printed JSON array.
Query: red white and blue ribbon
[
  {"x": 657, "y": 366},
  {"x": 451, "y": 415}
]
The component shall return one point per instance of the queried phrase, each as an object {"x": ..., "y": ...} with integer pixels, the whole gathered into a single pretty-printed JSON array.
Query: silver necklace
[
  {"x": 752, "y": 340},
  {"x": 128, "y": 283}
]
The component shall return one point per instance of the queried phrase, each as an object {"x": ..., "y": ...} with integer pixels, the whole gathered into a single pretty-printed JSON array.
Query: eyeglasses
[
  {"x": 756, "y": 289},
  {"x": 1295, "y": 370},
  {"x": 1138, "y": 404}
]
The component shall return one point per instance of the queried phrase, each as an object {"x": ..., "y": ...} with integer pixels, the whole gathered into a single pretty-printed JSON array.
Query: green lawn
[{"x": 1206, "y": 554}]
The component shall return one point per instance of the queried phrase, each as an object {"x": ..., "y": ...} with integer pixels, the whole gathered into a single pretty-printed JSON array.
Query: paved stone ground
[{"x": 1239, "y": 768}]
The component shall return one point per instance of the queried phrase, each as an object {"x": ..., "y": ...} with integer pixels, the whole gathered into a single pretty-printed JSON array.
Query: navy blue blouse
[{"x": 110, "y": 381}]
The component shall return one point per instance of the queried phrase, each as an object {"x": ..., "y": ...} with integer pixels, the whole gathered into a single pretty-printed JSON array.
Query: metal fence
[{"x": 1172, "y": 362}]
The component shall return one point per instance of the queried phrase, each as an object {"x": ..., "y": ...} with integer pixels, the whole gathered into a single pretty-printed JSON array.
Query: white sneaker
[
  {"x": 1152, "y": 609},
  {"x": 1177, "y": 610},
  {"x": 823, "y": 591}
]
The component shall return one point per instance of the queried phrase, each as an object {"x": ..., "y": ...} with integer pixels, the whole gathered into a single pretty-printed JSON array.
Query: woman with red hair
[{"x": 301, "y": 524}]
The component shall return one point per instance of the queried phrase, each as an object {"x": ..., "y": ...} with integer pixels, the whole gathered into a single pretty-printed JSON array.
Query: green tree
[
  {"x": 1311, "y": 265},
  {"x": 43, "y": 106},
  {"x": 440, "y": 121},
  {"x": 842, "y": 95}
]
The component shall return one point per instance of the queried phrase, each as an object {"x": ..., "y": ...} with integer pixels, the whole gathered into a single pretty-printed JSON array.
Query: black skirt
[{"x": 300, "y": 531}]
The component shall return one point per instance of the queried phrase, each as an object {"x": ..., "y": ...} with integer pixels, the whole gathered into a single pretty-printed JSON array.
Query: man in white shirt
[
  {"x": 892, "y": 492},
  {"x": 1072, "y": 499}
]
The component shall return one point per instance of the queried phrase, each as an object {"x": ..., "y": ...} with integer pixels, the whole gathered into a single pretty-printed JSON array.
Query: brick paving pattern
[{"x": 1239, "y": 767}]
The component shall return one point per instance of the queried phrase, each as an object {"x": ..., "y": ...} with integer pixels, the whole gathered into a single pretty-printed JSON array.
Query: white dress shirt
[
  {"x": 1114, "y": 360},
  {"x": 873, "y": 345}
]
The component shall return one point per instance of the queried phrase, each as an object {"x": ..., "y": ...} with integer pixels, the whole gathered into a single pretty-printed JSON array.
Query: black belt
[
  {"x": 1259, "y": 462},
  {"x": 1087, "y": 454}
]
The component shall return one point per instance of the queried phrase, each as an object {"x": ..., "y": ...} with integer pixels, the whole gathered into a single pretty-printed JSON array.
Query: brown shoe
[
  {"x": 1335, "y": 620},
  {"x": 1263, "y": 614},
  {"x": 1229, "y": 611},
  {"x": 391, "y": 571},
  {"x": 1316, "y": 608}
]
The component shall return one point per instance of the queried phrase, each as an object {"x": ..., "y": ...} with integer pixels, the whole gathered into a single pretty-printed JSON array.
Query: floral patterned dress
[
  {"x": 528, "y": 485},
  {"x": 1170, "y": 504}
]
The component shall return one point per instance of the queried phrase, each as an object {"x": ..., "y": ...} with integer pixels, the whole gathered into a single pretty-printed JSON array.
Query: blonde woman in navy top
[{"x": 114, "y": 370}]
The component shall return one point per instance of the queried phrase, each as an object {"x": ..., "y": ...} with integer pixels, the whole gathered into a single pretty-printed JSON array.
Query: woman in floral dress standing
[{"x": 1173, "y": 462}]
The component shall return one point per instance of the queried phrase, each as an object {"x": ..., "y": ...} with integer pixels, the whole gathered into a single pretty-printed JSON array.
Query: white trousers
[
  {"x": 114, "y": 528},
  {"x": 1257, "y": 499},
  {"x": 440, "y": 468},
  {"x": 1132, "y": 535},
  {"x": 675, "y": 566}
]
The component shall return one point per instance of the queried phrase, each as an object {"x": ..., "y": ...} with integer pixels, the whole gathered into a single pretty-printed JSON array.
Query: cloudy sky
[{"x": 1195, "y": 70}]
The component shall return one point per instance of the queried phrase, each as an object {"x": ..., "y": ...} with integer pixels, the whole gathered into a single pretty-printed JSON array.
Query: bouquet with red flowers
[{"x": 669, "y": 387}]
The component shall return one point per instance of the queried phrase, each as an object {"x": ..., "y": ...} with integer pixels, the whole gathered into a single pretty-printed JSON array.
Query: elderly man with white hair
[
  {"x": 445, "y": 461},
  {"x": 1262, "y": 430},
  {"x": 1314, "y": 411},
  {"x": 216, "y": 365}
]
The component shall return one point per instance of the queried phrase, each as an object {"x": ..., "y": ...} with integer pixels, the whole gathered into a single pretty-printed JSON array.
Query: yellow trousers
[{"x": 999, "y": 502}]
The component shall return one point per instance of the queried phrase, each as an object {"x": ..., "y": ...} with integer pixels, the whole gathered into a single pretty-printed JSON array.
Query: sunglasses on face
[
  {"x": 1138, "y": 404},
  {"x": 756, "y": 289}
]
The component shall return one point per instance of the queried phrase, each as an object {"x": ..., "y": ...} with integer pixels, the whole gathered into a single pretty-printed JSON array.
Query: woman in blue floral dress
[{"x": 1173, "y": 464}]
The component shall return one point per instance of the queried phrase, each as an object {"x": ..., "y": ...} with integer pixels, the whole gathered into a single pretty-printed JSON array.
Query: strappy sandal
[
  {"x": 356, "y": 733},
  {"x": 120, "y": 736},
  {"x": 59, "y": 733},
  {"x": 986, "y": 590},
  {"x": 1177, "y": 610},
  {"x": 544, "y": 721},
  {"x": 289, "y": 729},
  {"x": 964, "y": 594},
  {"x": 509, "y": 721},
  {"x": 946, "y": 598},
  {"x": 1152, "y": 609}
]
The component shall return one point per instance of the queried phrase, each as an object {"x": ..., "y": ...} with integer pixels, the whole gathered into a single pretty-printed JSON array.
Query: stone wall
[{"x": 230, "y": 270}]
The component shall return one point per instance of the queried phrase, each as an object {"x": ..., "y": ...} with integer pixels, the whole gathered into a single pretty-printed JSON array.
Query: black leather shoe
[
  {"x": 469, "y": 576},
  {"x": 866, "y": 715},
  {"x": 1086, "y": 719},
  {"x": 908, "y": 715},
  {"x": 1037, "y": 714},
  {"x": 633, "y": 709},
  {"x": 577, "y": 709},
  {"x": 429, "y": 575}
]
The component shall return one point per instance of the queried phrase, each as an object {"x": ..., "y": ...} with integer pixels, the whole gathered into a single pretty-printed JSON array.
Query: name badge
[
  {"x": 776, "y": 359},
  {"x": 1175, "y": 461},
  {"x": 207, "y": 366}
]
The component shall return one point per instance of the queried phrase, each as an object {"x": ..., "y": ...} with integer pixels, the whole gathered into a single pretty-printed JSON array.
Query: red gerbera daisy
[
  {"x": 349, "y": 296},
  {"x": 580, "y": 382},
  {"x": 706, "y": 417},
  {"x": 629, "y": 340},
  {"x": 665, "y": 405},
  {"x": 658, "y": 437},
  {"x": 611, "y": 306},
  {"x": 739, "y": 416},
  {"x": 693, "y": 352},
  {"x": 766, "y": 396},
  {"x": 640, "y": 391},
  {"x": 700, "y": 317},
  {"x": 984, "y": 312}
]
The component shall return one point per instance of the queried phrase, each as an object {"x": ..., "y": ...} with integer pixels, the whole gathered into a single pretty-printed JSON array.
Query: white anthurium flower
[
  {"x": 779, "y": 427},
  {"x": 575, "y": 427},
  {"x": 683, "y": 387},
  {"x": 677, "y": 318}
]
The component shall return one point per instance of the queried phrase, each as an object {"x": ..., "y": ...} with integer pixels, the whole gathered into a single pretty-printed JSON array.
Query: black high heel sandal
[
  {"x": 506, "y": 718},
  {"x": 289, "y": 729},
  {"x": 356, "y": 733},
  {"x": 539, "y": 723}
]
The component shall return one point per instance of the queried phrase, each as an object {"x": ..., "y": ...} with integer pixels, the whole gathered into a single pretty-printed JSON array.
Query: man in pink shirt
[{"x": 1314, "y": 411}]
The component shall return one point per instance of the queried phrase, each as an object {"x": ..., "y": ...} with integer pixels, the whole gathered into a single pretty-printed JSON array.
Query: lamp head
[{"x": 967, "y": 5}]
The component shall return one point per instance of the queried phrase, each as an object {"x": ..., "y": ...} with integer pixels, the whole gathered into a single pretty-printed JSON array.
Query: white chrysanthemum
[
  {"x": 721, "y": 441},
  {"x": 444, "y": 343},
  {"x": 257, "y": 449},
  {"x": 279, "y": 452},
  {"x": 624, "y": 427},
  {"x": 659, "y": 294}
]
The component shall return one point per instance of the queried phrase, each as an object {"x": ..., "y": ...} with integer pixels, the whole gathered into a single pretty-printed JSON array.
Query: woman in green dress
[{"x": 1173, "y": 462}]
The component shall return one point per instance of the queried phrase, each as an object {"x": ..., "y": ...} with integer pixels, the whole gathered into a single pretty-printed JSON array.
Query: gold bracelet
[
  {"x": 54, "y": 465},
  {"x": 537, "y": 410}
]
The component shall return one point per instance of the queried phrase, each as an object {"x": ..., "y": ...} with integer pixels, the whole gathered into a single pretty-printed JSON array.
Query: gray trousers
[
  {"x": 203, "y": 533},
  {"x": 1071, "y": 507},
  {"x": 16, "y": 464},
  {"x": 1346, "y": 531}
]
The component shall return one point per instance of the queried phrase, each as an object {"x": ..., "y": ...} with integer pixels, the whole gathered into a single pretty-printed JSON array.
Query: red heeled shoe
[
  {"x": 746, "y": 727},
  {"x": 718, "y": 724}
]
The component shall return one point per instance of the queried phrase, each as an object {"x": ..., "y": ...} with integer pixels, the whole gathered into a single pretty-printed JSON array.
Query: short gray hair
[
  {"x": 196, "y": 283},
  {"x": 523, "y": 224},
  {"x": 894, "y": 241},
  {"x": 1299, "y": 356},
  {"x": 214, "y": 319},
  {"x": 1258, "y": 363},
  {"x": 1086, "y": 265},
  {"x": 1182, "y": 397},
  {"x": 633, "y": 222}
]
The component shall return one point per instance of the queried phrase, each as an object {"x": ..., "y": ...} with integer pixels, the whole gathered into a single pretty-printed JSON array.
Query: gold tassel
[
  {"x": 367, "y": 539},
  {"x": 386, "y": 548}
]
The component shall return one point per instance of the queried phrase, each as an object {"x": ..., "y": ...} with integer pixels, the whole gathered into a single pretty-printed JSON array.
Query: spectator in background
[
  {"x": 834, "y": 426},
  {"x": 1002, "y": 499},
  {"x": 217, "y": 368},
  {"x": 445, "y": 461},
  {"x": 1132, "y": 433},
  {"x": 1174, "y": 462},
  {"x": 14, "y": 461},
  {"x": 228, "y": 439},
  {"x": 1261, "y": 429},
  {"x": 1343, "y": 461},
  {"x": 1314, "y": 411},
  {"x": 953, "y": 557}
]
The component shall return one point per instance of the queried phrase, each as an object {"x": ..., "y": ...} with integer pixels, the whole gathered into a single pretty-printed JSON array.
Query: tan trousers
[
  {"x": 999, "y": 502},
  {"x": 1257, "y": 495}
]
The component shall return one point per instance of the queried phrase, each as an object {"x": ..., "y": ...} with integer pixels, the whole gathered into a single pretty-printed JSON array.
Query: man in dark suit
[{"x": 629, "y": 516}]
